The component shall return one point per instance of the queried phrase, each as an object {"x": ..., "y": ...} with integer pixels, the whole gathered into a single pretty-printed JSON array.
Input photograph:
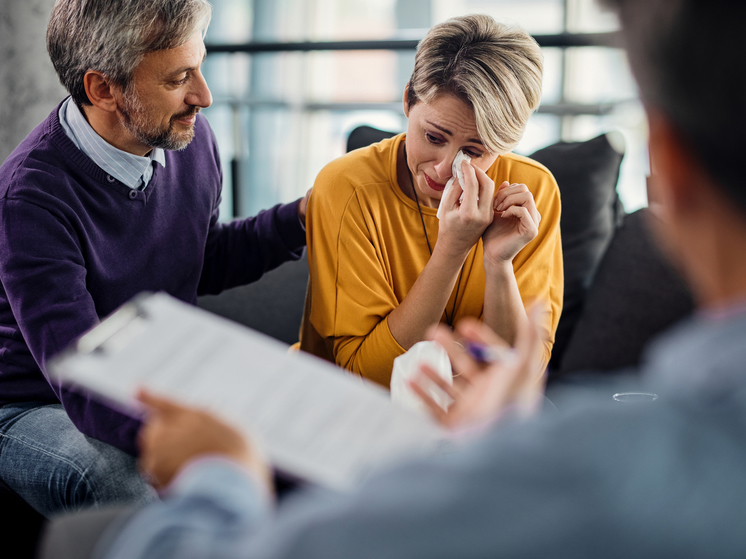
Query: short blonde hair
[{"x": 495, "y": 68}]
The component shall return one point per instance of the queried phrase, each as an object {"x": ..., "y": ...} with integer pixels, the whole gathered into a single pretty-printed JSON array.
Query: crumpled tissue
[
  {"x": 455, "y": 173},
  {"x": 407, "y": 366}
]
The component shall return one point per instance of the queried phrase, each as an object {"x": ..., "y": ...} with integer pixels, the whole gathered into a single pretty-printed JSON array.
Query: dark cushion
[
  {"x": 272, "y": 305},
  {"x": 365, "y": 135},
  {"x": 635, "y": 295},
  {"x": 587, "y": 174}
]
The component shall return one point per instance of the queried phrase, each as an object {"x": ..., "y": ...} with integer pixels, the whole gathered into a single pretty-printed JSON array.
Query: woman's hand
[
  {"x": 516, "y": 223},
  {"x": 482, "y": 391},
  {"x": 464, "y": 221},
  {"x": 173, "y": 435},
  {"x": 461, "y": 226}
]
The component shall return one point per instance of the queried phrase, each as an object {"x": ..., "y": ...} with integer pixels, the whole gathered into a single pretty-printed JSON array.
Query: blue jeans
[{"x": 56, "y": 469}]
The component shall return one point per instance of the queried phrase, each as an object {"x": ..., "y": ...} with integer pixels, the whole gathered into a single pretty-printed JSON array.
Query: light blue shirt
[
  {"x": 133, "y": 170},
  {"x": 593, "y": 480}
]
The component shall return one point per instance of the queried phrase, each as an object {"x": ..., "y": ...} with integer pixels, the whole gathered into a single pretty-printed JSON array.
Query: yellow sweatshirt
[{"x": 366, "y": 248}]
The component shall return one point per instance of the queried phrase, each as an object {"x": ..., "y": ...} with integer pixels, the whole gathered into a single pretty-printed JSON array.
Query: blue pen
[{"x": 488, "y": 355}]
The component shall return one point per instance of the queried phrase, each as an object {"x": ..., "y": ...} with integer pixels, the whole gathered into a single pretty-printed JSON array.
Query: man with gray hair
[
  {"x": 115, "y": 193},
  {"x": 662, "y": 479}
]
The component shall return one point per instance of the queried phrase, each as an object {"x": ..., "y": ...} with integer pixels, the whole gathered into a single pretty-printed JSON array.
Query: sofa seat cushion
[{"x": 635, "y": 295}]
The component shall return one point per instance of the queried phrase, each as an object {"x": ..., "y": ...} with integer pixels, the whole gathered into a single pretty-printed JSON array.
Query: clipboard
[{"x": 315, "y": 421}]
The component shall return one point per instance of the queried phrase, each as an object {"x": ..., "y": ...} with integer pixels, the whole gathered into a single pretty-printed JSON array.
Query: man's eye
[{"x": 182, "y": 81}]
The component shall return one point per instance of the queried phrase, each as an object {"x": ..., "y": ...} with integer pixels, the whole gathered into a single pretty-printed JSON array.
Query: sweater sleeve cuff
[{"x": 292, "y": 231}]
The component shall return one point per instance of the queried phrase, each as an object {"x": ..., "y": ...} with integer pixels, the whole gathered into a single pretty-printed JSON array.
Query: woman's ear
[
  {"x": 99, "y": 91},
  {"x": 405, "y": 101}
]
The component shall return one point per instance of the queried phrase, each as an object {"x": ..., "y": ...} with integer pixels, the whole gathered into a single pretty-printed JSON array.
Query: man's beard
[{"x": 150, "y": 133}]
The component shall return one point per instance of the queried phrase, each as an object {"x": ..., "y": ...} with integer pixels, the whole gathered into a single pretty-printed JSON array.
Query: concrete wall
[{"x": 29, "y": 88}]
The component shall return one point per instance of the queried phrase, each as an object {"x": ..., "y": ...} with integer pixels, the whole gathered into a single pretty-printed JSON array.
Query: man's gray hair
[
  {"x": 689, "y": 58},
  {"x": 112, "y": 36}
]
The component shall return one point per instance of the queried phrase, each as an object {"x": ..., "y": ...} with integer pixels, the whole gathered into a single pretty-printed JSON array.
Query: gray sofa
[{"x": 619, "y": 290}]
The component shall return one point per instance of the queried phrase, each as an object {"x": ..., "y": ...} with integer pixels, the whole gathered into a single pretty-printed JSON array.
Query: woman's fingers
[
  {"x": 470, "y": 187},
  {"x": 513, "y": 188},
  {"x": 478, "y": 187},
  {"x": 527, "y": 221},
  {"x": 451, "y": 197},
  {"x": 486, "y": 186},
  {"x": 515, "y": 194},
  {"x": 532, "y": 213},
  {"x": 514, "y": 197},
  {"x": 520, "y": 212}
]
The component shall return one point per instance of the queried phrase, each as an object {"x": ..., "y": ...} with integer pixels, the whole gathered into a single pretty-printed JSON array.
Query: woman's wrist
[
  {"x": 448, "y": 257},
  {"x": 497, "y": 269}
]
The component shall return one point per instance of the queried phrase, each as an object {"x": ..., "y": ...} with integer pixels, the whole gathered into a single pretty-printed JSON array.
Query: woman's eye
[
  {"x": 473, "y": 154},
  {"x": 432, "y": 139}
]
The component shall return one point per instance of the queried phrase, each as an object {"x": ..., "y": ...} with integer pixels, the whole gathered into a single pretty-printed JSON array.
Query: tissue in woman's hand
[
  {"x": 408, "y": 365},
  {"x": 456, "y": 173}
]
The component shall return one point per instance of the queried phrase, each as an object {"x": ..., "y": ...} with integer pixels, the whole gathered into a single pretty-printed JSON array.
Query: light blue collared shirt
[
  {"x": 133, "y": 170},
  {"x": 609, "y": 469}
]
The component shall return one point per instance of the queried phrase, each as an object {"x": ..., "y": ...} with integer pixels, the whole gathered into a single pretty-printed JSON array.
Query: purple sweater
[{"x": 75, "y": 244}]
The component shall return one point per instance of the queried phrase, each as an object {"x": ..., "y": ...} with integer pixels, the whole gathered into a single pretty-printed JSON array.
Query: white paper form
[{"x": 313, "y": 419}]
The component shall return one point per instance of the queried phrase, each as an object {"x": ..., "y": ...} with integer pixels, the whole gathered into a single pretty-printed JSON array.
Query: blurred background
[{"x": 291, "y": 78}]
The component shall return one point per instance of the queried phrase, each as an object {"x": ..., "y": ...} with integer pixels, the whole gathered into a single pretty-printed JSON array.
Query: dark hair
[
  {"x": 112, "y": 36},
  {"x": 689, "y": 58}
]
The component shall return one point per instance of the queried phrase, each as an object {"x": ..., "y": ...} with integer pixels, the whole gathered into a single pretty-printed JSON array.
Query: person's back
[{"x": 595, "y": 479}]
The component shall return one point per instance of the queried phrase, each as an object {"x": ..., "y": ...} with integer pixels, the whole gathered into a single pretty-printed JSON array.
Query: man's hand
[
  {"x": 173, "y": 435},
  {"x": 303, "y": 205},
  {"x": 483, "y": 391}
]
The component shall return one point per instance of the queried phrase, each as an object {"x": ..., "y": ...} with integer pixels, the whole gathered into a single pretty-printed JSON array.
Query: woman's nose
[{"x": 443, "y": 167}]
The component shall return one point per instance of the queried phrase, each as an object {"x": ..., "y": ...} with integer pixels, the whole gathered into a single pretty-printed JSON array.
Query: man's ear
[
  {"x": 677, "y": 176},
  {"x": 405, "y": 100},
  {"x": 99, "y": 91}
]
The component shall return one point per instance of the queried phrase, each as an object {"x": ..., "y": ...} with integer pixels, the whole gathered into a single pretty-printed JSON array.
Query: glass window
[{"x": 280, "y": 117}]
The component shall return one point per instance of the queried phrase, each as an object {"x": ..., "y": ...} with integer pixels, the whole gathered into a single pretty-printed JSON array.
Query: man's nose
[{"x": 199, "y": 95}]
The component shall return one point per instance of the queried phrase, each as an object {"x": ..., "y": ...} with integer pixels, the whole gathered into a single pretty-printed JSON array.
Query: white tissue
[
  {"x": 455, "y": 173},
  {"x": 408, "y": 365}
]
